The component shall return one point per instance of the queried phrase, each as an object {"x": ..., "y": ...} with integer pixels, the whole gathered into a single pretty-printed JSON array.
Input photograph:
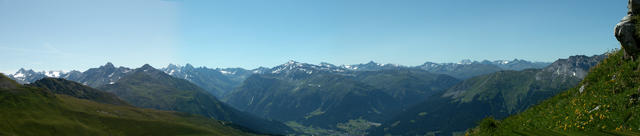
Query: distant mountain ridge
[
  {"x": 217, "y": 81},
  {"x": 32, "y": 110},
  {"x": 462, "y": 70},
  {"x": 606, "y": 102},
  {"x": 108, "y": 78},
  {"x": 148, "y": 87},
  {"x": 497, "y": 94},
  {"x": 108, "y": 73},
  {"x": 325, "y": 96},
  {"x": 94, "y": 77},
  {"x": 308, "y": 95}
]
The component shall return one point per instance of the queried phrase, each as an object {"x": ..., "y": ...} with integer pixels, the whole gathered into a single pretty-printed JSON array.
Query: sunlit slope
[
  {"x": 28, "y": 110},
  {"x": 606, "y": 102}
]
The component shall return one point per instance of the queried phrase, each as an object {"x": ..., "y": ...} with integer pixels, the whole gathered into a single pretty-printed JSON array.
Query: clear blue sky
[{"x": 77, "y": 34}]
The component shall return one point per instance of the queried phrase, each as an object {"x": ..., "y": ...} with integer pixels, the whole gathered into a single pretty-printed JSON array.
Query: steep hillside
[
  {"x": 520, "y": 87},
  {"x": 28, "y": 110},
  {"x": 7, "y": 83},
  {"x": 66, "y": 87},
  {"x": 151, "y": 88},
  {"x": 605, "y": 102},
  {"x": 499, "y": 94}
]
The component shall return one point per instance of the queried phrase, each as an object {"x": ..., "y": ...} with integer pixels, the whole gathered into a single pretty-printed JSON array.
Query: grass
[
  {"x": 608, "y": 105},
  {"x": 34, "y": 111},
  {"x": 357, "y": 127},
  {"x": 310, "y": 130}
]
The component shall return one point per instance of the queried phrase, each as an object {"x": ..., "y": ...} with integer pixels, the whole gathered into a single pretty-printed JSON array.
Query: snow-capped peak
[
  {"x": 350, "y": 67},
  {"x": 465, "y": 62},
  {"x": 22, "y": 73},
  {"x": 19, "y": 74},
  {"x": 55, "y": 74},
  {"x": 304, "y": 67},
  {"x": 501, "y": 62},
  {"x": 227, "y": 72}
]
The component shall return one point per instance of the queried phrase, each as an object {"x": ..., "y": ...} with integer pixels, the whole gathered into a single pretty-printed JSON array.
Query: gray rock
[
  {"x": 595, "y": 109},
  {"x": 625, "y": 31}
]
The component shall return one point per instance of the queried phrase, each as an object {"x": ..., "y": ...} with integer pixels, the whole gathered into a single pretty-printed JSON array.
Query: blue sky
[{"x": 78, "y": 34}]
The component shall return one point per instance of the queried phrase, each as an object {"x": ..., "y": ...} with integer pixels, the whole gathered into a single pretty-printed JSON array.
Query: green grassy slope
[
  {"x": 607, "y": 105},
  {"x": 28, "y": 110},
  {"x": 66, "y": 87}
]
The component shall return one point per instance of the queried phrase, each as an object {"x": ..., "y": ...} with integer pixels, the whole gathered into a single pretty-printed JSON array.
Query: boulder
[{"x": 626, "y": 33}]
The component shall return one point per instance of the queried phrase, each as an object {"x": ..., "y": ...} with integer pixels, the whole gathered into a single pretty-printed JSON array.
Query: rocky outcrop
[
  {"x": 575, "y": 66},
  {"x": 626, "y": 31}
]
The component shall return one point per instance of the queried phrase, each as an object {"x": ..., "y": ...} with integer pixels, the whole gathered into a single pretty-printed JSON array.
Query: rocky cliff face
[
  {"x": 574, "y": 66},
  {"x": 626, "y": 31}
]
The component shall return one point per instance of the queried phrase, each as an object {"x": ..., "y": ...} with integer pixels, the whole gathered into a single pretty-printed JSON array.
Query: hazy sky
[{"x": 80, "y": 34}]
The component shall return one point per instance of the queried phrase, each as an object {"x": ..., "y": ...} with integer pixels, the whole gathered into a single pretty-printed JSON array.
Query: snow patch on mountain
[
  {"x": 227, "y": 72},
  {"x": 19, "y": 75},
  {"x": 55, "y": 74}
]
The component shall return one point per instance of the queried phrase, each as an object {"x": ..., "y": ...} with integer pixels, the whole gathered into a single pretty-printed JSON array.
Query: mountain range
[
  {"x": 322, "y": 99},
  {"x": 604, "y": 103},
  {"x": 497, "y": 94},
  {"x": 227, "y": 78},
  {"x": 462, "y": 70},
  {"x": 148, "y": 87},
  {"x": 94, "y": 77},
  {"x": 326, "y": 100},
  {"x": 217, "y": 81},
  {"x": 70, "y": 109}
]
